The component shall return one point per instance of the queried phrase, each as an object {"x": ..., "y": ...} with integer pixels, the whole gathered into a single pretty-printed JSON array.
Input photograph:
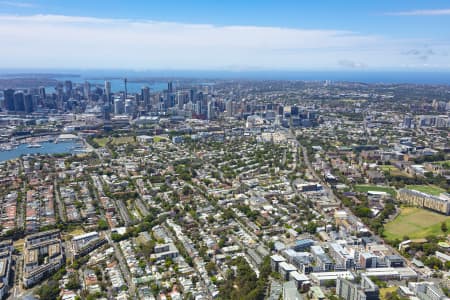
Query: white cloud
[
  {"x": 58, "y": 41},
  {"x": 346, "y": 63},
  {"x": 422, "y": 12},
  {"x": 16, "y": 4}
]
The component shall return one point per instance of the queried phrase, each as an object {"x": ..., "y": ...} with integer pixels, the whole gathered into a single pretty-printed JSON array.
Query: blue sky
[{"x": 228, "y": 35}]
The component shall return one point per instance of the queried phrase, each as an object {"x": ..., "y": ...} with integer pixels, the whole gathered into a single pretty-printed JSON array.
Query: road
[
  {"x": 62, "y": 215},
  {"x": 123, "y": 211},
  {"x": 141, "y": 206},
  {"x": 311, "y": 170},
  {"x": 122, "y": 263},
  {"x": 21, "y": 208},
  {"x": 194, "y": 259},
  {"x": 16, "y": 291},
  {"x": 331, "y": 195}
]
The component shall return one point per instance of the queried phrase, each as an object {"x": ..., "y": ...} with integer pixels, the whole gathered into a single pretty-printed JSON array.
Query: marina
[{"x": 40, "y": 145}]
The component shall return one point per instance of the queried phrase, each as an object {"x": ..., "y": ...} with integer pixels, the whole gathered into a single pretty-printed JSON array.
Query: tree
[
  {"x": 330, "y": 283},
  {"x": 433, "y": 263},
  {"x": 49, "y": 291},
  {"x": 102, "y": 225},
  {"x": 444, "y": 228},
  {"x": 210, "y": 268},
  {"x": 73, "y": 283}
]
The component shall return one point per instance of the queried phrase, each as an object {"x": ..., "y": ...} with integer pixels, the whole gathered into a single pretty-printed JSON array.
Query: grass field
[
  {"x": 429, "y": 189},
  {"x": 388, "y": 168},
  {"x": 159, "y": 138},
  {"x": 115, "y": 140},
  {"x": 76, "y": 231},
  {"x": 394, "y": 171},
  {"x": 384, "y": 291},
  {"x": 355, "y": 100},
  {"x": 364, "y": 188},
  {"x": 415, "y": 223}
]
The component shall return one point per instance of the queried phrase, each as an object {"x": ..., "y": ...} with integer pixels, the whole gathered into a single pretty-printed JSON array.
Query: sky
[{"x": 247, "y": 35}]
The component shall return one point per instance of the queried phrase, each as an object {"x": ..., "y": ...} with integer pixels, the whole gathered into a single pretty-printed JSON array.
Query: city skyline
[{"x": 238, "y": 37}]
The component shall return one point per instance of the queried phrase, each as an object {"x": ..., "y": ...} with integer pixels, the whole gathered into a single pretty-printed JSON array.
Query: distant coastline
[{"x": 363, "y": 76}]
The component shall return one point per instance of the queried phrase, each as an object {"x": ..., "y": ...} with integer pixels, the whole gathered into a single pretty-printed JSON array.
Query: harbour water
[{"x": 46, "y": 148}]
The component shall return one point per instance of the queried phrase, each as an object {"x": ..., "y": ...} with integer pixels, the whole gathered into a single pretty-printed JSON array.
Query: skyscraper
[
  {"x": 119, "y": 106},
  {"x": 108, "y": 90},
  {"x": 294, "y": 110},
  {"x": 19, "y": 102},
  {"x": 229, "y": 108},
  {"x": 192, "y": 97},
  {"x": 170, "y": 87},
  {"x": 68, "y": 87},
  {"x": 125, "y": 81},
  {"x": 9, "y": 99},
  {"x": 280, "y": 110},
  {"x": 42, "y": 92},
  {"x": 145, "y": 96},
  {"x": 129, "y": 107},
  {"x": 87, "y": 89},
  {"x": 180, "y": 99},
  {"x": 210, "y": 112},
  {"x": 28, "y": 103},
  {"x": 106, "y": 112}
]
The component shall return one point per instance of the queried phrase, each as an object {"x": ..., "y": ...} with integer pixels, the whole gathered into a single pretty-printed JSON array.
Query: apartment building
[{"x": 439, "y": 203}]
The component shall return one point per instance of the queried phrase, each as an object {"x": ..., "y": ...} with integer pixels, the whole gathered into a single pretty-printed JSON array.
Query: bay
[{"x": 47, "y": 148}]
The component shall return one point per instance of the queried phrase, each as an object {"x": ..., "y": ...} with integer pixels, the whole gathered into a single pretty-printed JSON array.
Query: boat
[
  {"x": 34, "y": 145},
  {"x": 7, "y": 147}
]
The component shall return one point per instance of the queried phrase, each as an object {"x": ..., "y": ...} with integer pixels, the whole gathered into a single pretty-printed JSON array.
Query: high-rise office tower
[
  {"x": 108, "y": 90},
  {"x": 42, "y": 92},
  {"x": 106, "y": 112},
  {"x": 129, "y": 107},
  {"x": 19, "y": 102},
  {"x": 36, "y": 101},
  {"x": 170, "y": 87},
  {"x": 192, "y": 97},
  {"x": 87, "y": 89},
  {"x": 8, "y": 96},
  {"x": 280, "y": 110},
  {"x": 68, "y": 87},
  {"x": 145, "y": 96},
  {"x": 28, "y": 103},
  {"x": 229, "y": 108},
  {"x": 125, "y": 81},
  {"x": 119, "y": 106},
  {"x": 180, "y": 99},
  {"x": 210, "y": 112},
  {"x": 198, "y": 108}
]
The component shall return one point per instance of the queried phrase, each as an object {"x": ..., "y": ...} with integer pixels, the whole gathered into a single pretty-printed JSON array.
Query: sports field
[
  {"x": 388, "y": 168},
  {"x": 415, "y": 223},
  {"x": 394, "y": 171},
  {"x": 429, "y": 189},
  {"x": 160, "y": 138},
  {"x": 364, "y": 188},
  {"x": 115, "y": 140}
]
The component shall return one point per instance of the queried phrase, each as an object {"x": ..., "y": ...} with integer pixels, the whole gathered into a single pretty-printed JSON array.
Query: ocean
[{"x": 157, "y": 79}]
